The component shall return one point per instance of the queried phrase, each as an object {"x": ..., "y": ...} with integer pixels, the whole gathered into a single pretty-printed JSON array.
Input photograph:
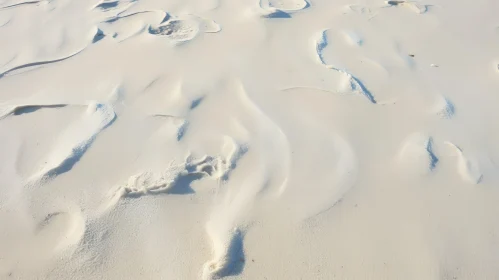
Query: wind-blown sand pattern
[
  {"x": 67, "y": 230},
  {"x": 468, "y": 169},
  {"x": 38, "y": 63},
  {"x": 227, "y": 224},
  {"x": 123, "y": 27},
  {"x": 7, "y": 110},
  {"x": 417, "y": 154},
  {"x": 73, "y": 143},
  {"x": 19, "y": 4},
  {"x": 444, "y": 108},
  {"x": 350, "y": 83},
  {"x": 353, "y": 38},
  {"x": 258, "y": 139},
  {"x": 114, "y": 6}
]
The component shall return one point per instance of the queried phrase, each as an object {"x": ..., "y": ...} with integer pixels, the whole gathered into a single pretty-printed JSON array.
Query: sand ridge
[{"x": 262, "y": 139}]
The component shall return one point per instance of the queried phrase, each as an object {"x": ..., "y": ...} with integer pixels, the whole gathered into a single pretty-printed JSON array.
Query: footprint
[
  {"x": 224, "y": 228},
  {"x": 227, "y": 219},
  {"x": 289, "y": 5},
  {"x": 177, "y": 30},
  {"x": 181, "y": 30},
  {"x": 176, "y": 178},
  {"x": 228, "y": 253},
  {"x": 149, "y": 183},
  {"x": 127, "y": 26}
]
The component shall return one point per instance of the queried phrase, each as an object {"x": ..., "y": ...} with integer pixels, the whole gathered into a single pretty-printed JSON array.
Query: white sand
[{"x": 255, "y": 139}]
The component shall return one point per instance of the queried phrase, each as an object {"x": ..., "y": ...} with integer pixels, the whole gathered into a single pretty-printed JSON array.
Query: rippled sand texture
[{"x": 255, "y": 139}]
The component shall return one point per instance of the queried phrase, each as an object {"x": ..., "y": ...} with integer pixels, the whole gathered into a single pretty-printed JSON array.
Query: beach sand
[{"x": 249, "y": 139}]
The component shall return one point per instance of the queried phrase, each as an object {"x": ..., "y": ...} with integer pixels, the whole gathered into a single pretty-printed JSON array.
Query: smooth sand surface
[{"x": 249, "y": 139}]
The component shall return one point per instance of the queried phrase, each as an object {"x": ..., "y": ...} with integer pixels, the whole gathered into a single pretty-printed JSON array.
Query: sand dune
[{"x": 259, "y": 139}]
